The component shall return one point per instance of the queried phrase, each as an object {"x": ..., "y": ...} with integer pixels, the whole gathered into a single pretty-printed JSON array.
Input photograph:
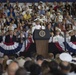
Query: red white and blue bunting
[
  {"x": 16, "y": 48},
  {"x": 9, "y": 49},
  {"x": 70, "y": 46}
]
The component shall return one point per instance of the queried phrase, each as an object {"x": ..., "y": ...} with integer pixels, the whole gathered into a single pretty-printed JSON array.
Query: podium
[{"x": 41, "y": 38}]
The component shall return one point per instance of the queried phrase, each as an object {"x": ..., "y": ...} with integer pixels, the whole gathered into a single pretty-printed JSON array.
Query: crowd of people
[
  {"x": 19, "y": 20},
  {"x": 17, "y": 24},
  {"x": 61, "y": 64}
]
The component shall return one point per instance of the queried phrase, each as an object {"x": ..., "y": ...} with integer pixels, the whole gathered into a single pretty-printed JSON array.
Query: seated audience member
[
  {"x": 27, "y": 16},
  {"x": 39, "y": 59},
  {"x": 5, "y": 62},
  {"x": 51, "y": 56},
  {"x": 73, "y": 69},
  {"x": 11, "y": 12},
  {"x": 1, "y": 69},
  {"x": 35, "y": 69},
  {"x": 45, "y": 67},
  {"x": 21, "y": 62},
  {"x": 21, "y": 71},
  {"x": 12, "y": 68},
  {"x": 1, "y": 60},
  {"x": 57, "y": 59},
  {"x": 54, "y": 68},
  {"x": 27, "y": 65},
  {"x": 59, "y": 17},
  {"x": 65, "y": 67}
]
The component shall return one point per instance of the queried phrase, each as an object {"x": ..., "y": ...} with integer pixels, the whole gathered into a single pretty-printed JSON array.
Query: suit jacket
[
  {"x": 7, "y": 39},
  {"x": 73, "y": 38},
  {"x": 1, "y": 38},
  {"x": 19, "y": 39}
]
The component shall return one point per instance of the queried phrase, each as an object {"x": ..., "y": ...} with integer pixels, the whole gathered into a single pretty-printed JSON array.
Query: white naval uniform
[
  {"x": 58, "y": 38},
  {"x": 37, "y": 27}
]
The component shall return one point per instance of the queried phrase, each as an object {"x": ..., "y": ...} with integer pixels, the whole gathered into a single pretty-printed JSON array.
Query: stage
[{"x": 52, "y": 48}]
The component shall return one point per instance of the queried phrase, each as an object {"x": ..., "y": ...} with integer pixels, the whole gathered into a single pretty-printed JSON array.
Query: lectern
[{"x": 41, "y": 38}]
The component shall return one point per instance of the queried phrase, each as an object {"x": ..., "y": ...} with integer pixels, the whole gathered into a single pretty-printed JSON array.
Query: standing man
[
  {"x": 73, "y": 38},
  {"x": 10, "y": 38}
]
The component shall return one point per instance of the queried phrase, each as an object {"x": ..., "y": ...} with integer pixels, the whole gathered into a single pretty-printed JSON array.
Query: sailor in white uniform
[
  {"x": 37, "y": 26},
  {"x": 58, "y": 37}
]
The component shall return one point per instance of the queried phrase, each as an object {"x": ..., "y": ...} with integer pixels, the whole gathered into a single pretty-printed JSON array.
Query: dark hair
[
  {"x": 45, "y": 64},
  {"x": 45, "y": 68},
  {"x": 53, "y": 65},
  {"x": 21, "y": 71},
  {"x": 63, "y": 67},
  {"x": 27, "y": 65},
  {"x": 73, "y": 68},
  {"x": 35, "y": 69},
  {"x": 39, "y": 57},
  {"x": 1, "y": 69},
  {"x": 54, "y": 68}
]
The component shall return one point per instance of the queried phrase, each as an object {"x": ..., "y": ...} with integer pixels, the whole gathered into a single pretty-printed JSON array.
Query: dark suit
[
  {"x": 7, "y": 39},
  {"x": 73, "y": 38},
  {"x": 20, "y": 39},
  {"x": 1, "y": 38}
]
